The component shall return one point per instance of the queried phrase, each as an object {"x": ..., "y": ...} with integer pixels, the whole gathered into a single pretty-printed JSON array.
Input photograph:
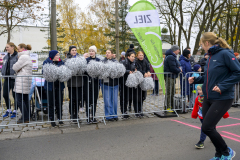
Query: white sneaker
[{"x": 82, "y": 110}]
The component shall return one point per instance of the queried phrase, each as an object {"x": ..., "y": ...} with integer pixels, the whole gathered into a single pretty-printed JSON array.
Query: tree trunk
[{"x": 237, "y": 38}]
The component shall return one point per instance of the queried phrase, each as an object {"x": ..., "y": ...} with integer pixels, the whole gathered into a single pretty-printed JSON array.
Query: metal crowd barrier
[{"x": 86, "y": 100}]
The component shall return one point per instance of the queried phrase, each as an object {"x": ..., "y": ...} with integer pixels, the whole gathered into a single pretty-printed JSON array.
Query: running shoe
[
  {"x": 199, "y": 145},
  {"x": 231, "y": 155}
]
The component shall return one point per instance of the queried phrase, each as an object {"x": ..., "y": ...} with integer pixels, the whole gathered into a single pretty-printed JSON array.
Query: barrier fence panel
[{"x": 190, "y": 91}]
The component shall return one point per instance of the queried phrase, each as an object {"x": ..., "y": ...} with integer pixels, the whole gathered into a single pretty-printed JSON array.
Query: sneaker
[
  {"x": 82, "y": 110},
  {"x": 199, "y": 145},
  {"x": 6, "y": 114},
  {"x": 89, "y": 122},
  {"x": 110, "y": 120},
  {"x": 232, "y": 154},
  {"x": 137, "y": 115},
  {"x": 169, "y": 110},
  {"x": 61, "y": 122},
  {"x": 22, "y": 121},
  {"x": 94, "y": 121},
  {"x": 216, "y": 158},
  {"x": 13, "y": 115},
  {"x": 53, "y": 124},
  {"x": 116, "y": 119}
]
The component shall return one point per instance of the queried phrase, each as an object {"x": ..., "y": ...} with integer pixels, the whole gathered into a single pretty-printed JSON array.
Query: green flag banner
[{"x": 144, "y": 22}]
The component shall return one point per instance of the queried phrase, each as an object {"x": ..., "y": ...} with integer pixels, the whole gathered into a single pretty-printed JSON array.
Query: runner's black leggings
[{"x": 213, "y": 111}]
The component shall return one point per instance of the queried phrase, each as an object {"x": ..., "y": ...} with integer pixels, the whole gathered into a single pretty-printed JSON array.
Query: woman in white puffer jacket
[{"x": 23, "y": 68}]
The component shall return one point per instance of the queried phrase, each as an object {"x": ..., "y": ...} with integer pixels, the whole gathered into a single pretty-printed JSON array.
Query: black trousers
[
  {"x": 138, "y": 97},
  {"x": 91, "y": 91},
  {"x": 55, "y": 98},
  {"x": 124, "y": 97},
  {"x": 213, "y": 111},
  {"x": 76, "y": 99},
  {"x": 23, "y": 104},
  {"x": 7, "y": 86}
]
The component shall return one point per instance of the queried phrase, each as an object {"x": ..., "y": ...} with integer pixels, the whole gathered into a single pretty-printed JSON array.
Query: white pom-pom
[
  {"x": 100, "y": 57},
  {"x": 121, "y": 70},
  {"x": 95, "y": 68},
  {"x": 50, "y": 72},
  {"x": 82, "y": 65},
  {"x": 132, "y": 81},
  {"x": 139, "y": 76},
  {"x": 114, "y": 70},
  {"x": 107, "y": 70},
  {"x": 147, "y": 84},
  {"x": 64, "y": 73},
  {"x": 73, "y": 65}
]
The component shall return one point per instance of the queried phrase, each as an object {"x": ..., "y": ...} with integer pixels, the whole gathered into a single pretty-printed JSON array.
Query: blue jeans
[
  {"x": 203, "y": 135},
  {"x": 110, "y": 96},
  {"x": 156, "y": 88}
]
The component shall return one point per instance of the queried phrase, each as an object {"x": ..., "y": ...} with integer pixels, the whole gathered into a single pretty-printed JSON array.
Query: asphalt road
[{"x": 145, "y": 139}]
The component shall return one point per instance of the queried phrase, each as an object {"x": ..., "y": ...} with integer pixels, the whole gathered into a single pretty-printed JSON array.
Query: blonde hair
[
  {"x": 199, "y": 87},
  {"x": 213, "y": 39},
  {"x": 27, "y": 47},
  {"x": 13, "y": 45}
]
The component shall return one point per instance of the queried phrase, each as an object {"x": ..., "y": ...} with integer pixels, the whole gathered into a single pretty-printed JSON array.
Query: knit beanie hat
[
  {"x": 52, "y": 53},
  {"x": 71, "y": 47},
  {"x": 93, "y": 48},
  {"x": 174, "y": 48},
  {"x": 196, "y": 67},
  {"x": 123, "y": 53},
  {"x": 186, "y": 52},
  {"x": 131, "y": 46},
  {"x": 205, "y": 54}
]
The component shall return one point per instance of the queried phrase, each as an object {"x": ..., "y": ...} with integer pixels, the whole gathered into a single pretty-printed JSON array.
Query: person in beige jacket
[{"x": 23, "y": 69}]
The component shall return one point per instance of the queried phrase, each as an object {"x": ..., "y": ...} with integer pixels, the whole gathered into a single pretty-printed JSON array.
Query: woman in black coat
[
  {"x": 138, "y": 94},
  {"x": 125, "y": 91}
]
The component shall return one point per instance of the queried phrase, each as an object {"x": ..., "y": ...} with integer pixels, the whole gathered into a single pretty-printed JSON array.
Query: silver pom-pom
[
  {"x": 100, "y": 57},
  {"x": 139, "y": 76},
  {"x": 50, "y": 72},
  {"x": 132, "y": 81},
  {"x": 114, "y": 70},
  {"x": 64, "y": 73},
  {"x": 121, "y": 70},
  {"x": 82, "y": 65},
  {"x": 147, "y": 84},
  {"x": 107, "y": 70},
  {"x": 95, "y": 68},
  {"x": 73, "y": 65}
]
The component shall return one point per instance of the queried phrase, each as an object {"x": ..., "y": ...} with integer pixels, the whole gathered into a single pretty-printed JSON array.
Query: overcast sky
[{"x": 84, "y": 3}]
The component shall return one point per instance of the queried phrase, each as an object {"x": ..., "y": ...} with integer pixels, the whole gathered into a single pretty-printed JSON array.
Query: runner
[{"x": 222, "y": 72}]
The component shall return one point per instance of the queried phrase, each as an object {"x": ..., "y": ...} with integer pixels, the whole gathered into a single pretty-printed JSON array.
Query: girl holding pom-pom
[
  {"x": 91, "y": 89},
  {"x": 138, "y": 94},
  {"x": 110, "y": 92},
  {"x": 54, "y": 89},
  {"x": 126, "y": 92}
]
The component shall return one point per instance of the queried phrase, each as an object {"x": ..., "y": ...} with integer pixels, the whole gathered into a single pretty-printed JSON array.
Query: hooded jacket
[
  {"x": 222, "y": 70},
  {"x": 171, "y": 64},
  {"x": 23, "y": 68},
  {"x": 48, "y": 86},
  {"x": 7, "y": 66},
  {"x": 110, "y": 81},
  {"x": 75, "y": 81},
  {"x": 186, "y": 68}
]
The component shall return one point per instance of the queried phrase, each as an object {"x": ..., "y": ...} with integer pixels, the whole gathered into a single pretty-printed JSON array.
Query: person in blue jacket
[
  {"x": 54, "y": 89},
  {"x": 171, "y": 71},
  {"x": 186, "y": 69},
  {"x": 221, "y": 73},
  {"x": 91, "y": 89}
]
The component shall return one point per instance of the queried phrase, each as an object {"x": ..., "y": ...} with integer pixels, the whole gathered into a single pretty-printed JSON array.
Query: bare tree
[{"x": 13, "y": 13}]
